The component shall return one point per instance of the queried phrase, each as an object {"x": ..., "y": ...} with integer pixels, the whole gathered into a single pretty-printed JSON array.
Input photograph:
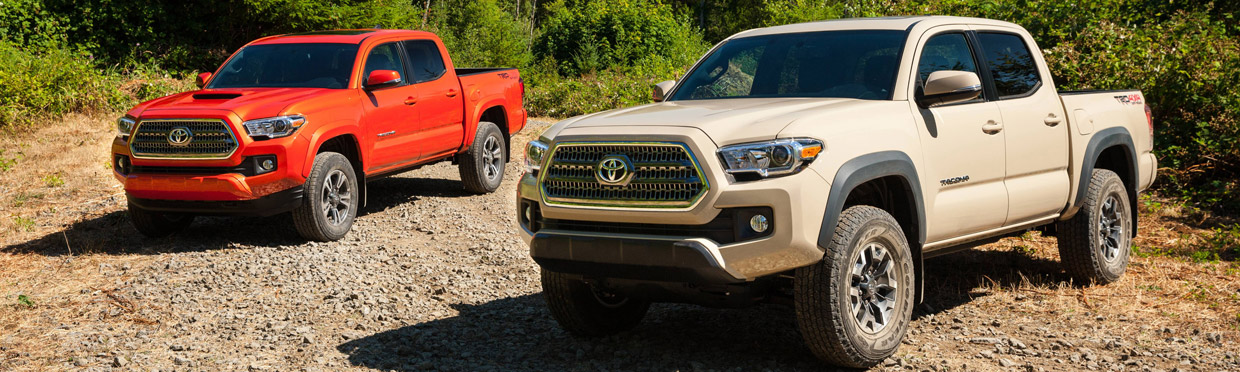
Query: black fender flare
[
  {"x": 1102, "y": 140},
  {"x": 866, "y": 168}
]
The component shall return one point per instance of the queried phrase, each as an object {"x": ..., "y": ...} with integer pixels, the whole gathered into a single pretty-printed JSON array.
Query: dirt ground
[{"x": 433, "y": 278}]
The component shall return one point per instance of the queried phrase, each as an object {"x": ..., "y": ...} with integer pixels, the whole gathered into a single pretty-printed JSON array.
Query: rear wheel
[
  {"x": 482, "y": 166},
  {"x": 587, "y": 311},
  {"x": 158, "y": 224},
  {"x": 330, "y": 202},
  {"x": 854, "y": 306},
  {"x": 1094, "y": 245}
]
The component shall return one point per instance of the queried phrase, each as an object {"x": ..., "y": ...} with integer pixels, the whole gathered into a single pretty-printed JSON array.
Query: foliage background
[{"x": 580, "y": 56}]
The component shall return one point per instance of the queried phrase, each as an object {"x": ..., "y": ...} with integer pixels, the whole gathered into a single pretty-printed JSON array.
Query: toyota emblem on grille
[
  {"x": 614, "y": 170},
  {"x": 180, "y": 136}
]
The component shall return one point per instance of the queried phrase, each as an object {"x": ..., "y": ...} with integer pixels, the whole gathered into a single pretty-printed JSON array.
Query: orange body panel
[{"x": 393, "y": 127}]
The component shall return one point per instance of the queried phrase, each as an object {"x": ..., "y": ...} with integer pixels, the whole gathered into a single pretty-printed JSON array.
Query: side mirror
[
  {"x": 382, "y": 78},
  {"x": 946, "y": 87},
  {"x": 202, "y": 79},
  {"x": 661, "y": 89}
]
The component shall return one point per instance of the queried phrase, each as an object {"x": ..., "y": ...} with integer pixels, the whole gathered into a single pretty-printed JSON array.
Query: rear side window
[
  {"x": 945, "y": 52},
  {"x": 384, "y": 57},
  {"x": 425, "y": 62},
  {"x": 1011, "y": 64}
]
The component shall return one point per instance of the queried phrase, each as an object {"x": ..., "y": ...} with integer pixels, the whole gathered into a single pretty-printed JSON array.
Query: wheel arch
[
  {"x": 498, "y": 115},
  {"x": 1111, "y": 149},
  {"x": 888, "y": 179},
  {"x": 345, "y": 144}
]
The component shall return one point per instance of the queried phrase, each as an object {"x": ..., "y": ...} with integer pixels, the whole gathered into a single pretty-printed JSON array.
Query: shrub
[
  {"x": 589, "y": 36},
  {"x": 479, "y": 33},
  {"x": 42, "y": 84}
]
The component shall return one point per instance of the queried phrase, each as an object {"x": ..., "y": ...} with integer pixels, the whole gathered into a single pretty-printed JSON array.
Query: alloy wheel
[
  {"x": 492, "y": 157},
  {"x": 337, "y": 197},
  {"x": 873, "y": 290},
  {"x": 1110, "y": 228}
]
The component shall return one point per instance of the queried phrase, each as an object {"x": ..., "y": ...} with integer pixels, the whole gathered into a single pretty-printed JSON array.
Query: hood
[
  {"x": 725, "y": 121},
  {"x": 252, "y": 103}
]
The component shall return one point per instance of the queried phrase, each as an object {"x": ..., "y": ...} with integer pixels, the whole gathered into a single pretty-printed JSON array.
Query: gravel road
[{"x": 432, "y": 278}]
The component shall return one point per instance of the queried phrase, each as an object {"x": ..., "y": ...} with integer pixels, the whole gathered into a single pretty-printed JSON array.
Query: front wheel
[
  {"x": 1095, "y": 243},
  {"x": 330, "y": 202},
  {"x": 587, "y": 311},
  {"x": 482, "y": 166},
  {"x": 854, "y": 306}
]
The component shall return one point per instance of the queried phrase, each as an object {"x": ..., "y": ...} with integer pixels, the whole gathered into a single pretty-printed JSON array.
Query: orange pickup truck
[{"x": 299, "y": 123}]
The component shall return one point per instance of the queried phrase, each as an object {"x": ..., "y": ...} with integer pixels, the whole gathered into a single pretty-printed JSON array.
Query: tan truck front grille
[
  {"x": 664, "y": 175},
  {"x": 201, "y": 139}
]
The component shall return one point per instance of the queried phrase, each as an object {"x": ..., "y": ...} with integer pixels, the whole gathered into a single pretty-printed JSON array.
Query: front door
[
  {"x": 964, "y": 154},
  {"x": 390, "y": 115}
]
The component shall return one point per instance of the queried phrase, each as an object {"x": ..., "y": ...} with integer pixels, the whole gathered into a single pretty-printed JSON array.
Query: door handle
[
  {"x": 411, "y": 100},
  {"x": 1052, "y": 120},
  {"x": 451, "y": 93},
  {"x": 991, "y": 127}
]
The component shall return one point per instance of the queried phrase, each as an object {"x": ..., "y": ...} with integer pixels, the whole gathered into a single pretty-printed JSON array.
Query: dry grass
[
  {"x": 58, "y": 172},
  {"x": 1167, "y": 284}
]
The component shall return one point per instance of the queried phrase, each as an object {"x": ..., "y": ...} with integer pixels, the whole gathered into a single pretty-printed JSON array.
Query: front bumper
[
  {"x": 214, "y": 180},
  {"x": 797, "y": 203},
  {"x": 269, "y": 205}
]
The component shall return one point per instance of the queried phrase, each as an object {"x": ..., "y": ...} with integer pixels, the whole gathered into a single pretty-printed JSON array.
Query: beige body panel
[{"x": 1019, "y": 157}]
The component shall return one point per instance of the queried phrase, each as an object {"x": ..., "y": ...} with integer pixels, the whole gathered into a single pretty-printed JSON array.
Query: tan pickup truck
[{"x": 827, "y": 161}]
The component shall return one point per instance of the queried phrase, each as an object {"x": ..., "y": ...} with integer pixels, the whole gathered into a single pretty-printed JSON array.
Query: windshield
[
  {"x": 844, "y": 64},
  {"x": 288, "y": 66}
]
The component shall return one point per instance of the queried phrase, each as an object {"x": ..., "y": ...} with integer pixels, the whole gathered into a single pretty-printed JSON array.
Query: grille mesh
[
  {"x": 665, "y": 176},
  {"x": 211, "y": 139}
]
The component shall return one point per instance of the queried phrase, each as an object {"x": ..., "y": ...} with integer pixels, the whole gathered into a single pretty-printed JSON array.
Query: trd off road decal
[{"x": 1131, "y": 99}]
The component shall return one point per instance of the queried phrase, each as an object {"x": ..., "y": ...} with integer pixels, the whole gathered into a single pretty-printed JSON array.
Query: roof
[
  {"x": 354, "y": 36},
  {"x": 881, "y": 23}
]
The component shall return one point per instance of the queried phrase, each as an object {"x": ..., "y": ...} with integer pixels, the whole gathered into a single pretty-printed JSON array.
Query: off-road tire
[
  {"x": 823, "y": 292},
  {"x": 1083, "y": 250},
  {"x": 580, "y": 311},
  {"x": 482, "y": 166},
  {"x": 157, "y": 224},
  {"x": 312, "y": 218}
]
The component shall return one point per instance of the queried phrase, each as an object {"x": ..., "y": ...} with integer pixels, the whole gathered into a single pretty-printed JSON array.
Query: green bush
[
  {"x": 590, "y": 36},
  {"x": 478, "y": 33},
  {"x": 39, "y": 85}
]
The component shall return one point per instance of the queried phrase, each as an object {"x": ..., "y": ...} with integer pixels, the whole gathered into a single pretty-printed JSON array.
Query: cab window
[
  {"x": 384, "y": 57},
  {"x": 942, "y": 52},
  {"x": 1011, "y": 64},
  {"x": 425, "y": 62}
]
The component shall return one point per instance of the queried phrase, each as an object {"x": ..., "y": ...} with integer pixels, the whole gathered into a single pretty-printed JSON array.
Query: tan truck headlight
[
  {"x": 780, "y": 157},
  {"x": 533, "y": 156}
]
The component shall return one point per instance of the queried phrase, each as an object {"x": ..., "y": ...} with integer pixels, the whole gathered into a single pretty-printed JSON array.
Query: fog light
[
  {"x": 122, "y": 164},
  {"x": 268, "y": 164},
  {"x": 758, "y": 223}
]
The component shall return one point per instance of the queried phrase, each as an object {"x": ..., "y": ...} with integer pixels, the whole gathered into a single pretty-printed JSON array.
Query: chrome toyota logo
[
  {"x": 180, "y": 136},
  {"x": 614, "y": 170}
]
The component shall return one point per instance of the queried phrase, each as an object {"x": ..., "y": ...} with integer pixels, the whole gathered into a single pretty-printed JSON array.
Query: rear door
[
  {"x": 964, "y": 163},
  {"x": 440, "y": 102},
  {"x": 390, "y": 120},
  {"x": 1034, "y": 123}
]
